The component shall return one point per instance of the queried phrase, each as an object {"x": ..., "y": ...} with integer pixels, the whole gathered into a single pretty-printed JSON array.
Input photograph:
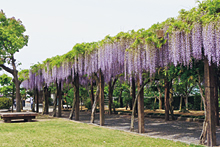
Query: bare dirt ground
[{"x": 182, "y": 131}]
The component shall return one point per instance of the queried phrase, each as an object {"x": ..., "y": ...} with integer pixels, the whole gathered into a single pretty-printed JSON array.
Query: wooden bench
[
  {"x": 3, "y": 110},
  {"x": 27, "y": 116}
]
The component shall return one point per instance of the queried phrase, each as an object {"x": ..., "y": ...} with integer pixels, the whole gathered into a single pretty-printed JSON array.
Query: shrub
[
  {"x": 88, "y": 104},
  {"x": 5, "y": 103},
  {"x": 117, "y": 104}
]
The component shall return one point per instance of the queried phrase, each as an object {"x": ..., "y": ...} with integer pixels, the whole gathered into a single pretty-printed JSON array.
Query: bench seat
[{"x": 27, "y": 116}]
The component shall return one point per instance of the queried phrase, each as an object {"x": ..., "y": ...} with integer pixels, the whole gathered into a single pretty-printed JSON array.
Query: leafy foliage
[
  {"x": 12, "y": 37},
  {"x": 5, "y": 103},
  {"x": 6, "y": 85}
]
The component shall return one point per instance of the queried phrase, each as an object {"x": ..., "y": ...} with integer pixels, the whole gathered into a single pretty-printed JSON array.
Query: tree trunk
[
  {"x": 37, "y": 99},
  {"x": 209, "y": 92},
  {"x": 13, "y": 96},
  {"x": 17, "y": 86},
  {"x": 18, "y": 95},
  {"x": 120, "y": 98},
  {"x": 202, "y": 137},
  {"x": 216, "y": 97},
  {"x": 59, "y": 100},
  {"x": 201, "y": 105},
  {"x": 155, "y": 102},
  {"x": 94, "y": 104},
  {"x": 21, "y": 104},
  {"x": 34, "y": 98},
  {"x": 91, "y": 93},
  {"x": 114, "y": 108},
  {"x": 134, "y": 105},
  {"x": 140, "y": 109},
  {"x": 77, "y": 96},
  {"x": 171, "y": 101},
  {"x": 17, "y": 83},
  {"x": 110, "y": 97},
  {"x": 181, "y": 102},
  {"x": 73, "y": 108},
  {"x": 45, "y": 103},
  {"x": 81, "y": 103},
  {"x": 55, "y": 101},
  {"x": 166, "y": 99},
  {"x": 101, "y": 98},
  {"x": 130, "y": 104},
  {"x": 110, "y": 91},
  {"x": 160, "y": 100},
  {"x": 187, "y": 108},
  {"x": 133, "y": 94}
]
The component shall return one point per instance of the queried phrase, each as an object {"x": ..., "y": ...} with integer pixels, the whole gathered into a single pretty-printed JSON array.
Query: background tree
[
  {"x": 7, "y": 86},
  {"x": 12, "y": 39}
]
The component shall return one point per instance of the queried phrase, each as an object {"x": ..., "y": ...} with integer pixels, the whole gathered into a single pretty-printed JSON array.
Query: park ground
[
  {"x": 47, "y": 131},
  {"x": 177, "y": 131}
]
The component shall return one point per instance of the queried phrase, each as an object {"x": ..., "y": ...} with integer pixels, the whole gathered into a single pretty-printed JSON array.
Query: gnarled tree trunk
[
  {"x": 59, "y": 100},
  {"x": 181, "y": 102},
  {"x": 135, "y": 103},
  {"x": 166, "y": 99},
  {"x": 209, "y": 124},
  {"x": 133, "y": 94},
  {"x": 37, "y": 99},
  {"x": 110, "y": 97},
  {"x": 171, "y": 101},
  {"x": 55, "y": 101},
  {"x": 75, "y": 105},
  {"x": 110, "y": 94},
  {"x": 46, "y": 102},
  {"x": 95, "y": 99},
  {"x": 120, "y": 98},
  {"x": 91, "y": 93},
  {"x": 101, "y": 98},
  {"x": 17, "y": 83}
]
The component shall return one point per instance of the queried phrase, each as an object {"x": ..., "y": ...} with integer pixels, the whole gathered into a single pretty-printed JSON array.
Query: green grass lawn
[{"x": 59, "y": 132}]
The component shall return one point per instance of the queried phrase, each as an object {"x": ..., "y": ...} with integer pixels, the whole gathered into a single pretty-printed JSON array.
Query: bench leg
[
  {"x": 7, "y": 120},
  {"x": 28, "y": 120}
]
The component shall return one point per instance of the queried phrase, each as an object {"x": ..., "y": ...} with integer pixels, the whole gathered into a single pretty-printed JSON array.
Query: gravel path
[{"x": 182, "y": 131}]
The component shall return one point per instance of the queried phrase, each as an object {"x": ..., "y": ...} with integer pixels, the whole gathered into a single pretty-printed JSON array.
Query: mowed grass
[{"x": 60, "y": 132}]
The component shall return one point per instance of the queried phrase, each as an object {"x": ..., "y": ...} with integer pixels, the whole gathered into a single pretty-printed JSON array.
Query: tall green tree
[
  {"x": 12, "y": 39},
  {"x": 6, "y": 85}
]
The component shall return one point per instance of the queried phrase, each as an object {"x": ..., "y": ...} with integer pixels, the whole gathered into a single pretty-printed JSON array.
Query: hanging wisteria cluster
[{"x": 118, "y": 57}]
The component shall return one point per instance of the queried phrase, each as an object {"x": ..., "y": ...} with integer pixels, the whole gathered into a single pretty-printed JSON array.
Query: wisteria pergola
[{"x": 191, "y": 37}]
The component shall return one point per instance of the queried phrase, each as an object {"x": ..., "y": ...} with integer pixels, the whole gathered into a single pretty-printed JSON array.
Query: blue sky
[{"x": 55, "y": 26}]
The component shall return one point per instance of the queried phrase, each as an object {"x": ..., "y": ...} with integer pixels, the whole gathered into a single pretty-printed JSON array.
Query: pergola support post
[
  {"x": 110, "y": 97},
  {"x": 216, "y": 97},
  {"x": 59, "y": 100},
  {"x": 47, "y": 101},
  {"x": 133, "y": 94},
  {"x": 45, "y": 98},
  {"x": 101, "y": 98},
  {"x": 140, "y": 108},
  {"x": 92, "y": 93},
  {"x": 209, "y": 93},
  {"x": 166, "y": 100},
  {"x": 37, "y": 99},
  {"x": 77, "y": 97}
]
